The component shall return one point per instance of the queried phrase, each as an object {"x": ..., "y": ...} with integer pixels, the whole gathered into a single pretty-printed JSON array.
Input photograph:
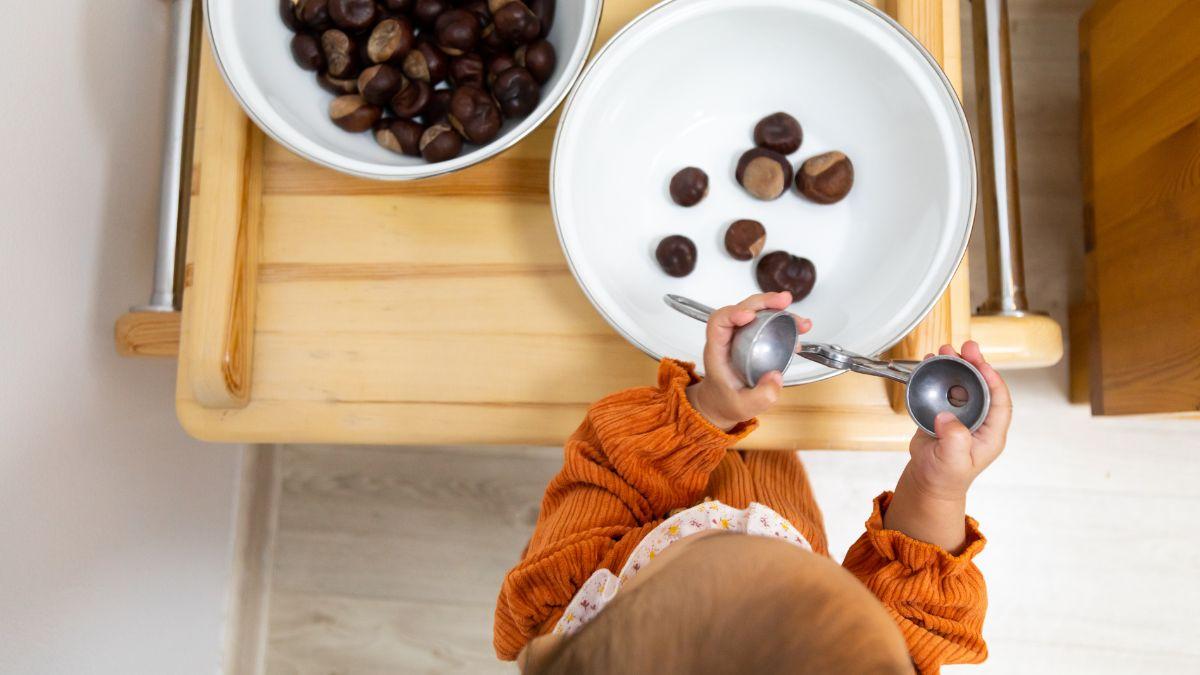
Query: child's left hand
[{"x": 944, "y": 467}]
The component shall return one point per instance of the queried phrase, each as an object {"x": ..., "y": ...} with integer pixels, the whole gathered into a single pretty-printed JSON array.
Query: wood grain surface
[
  {"x": 147, "y": 334},
  {"x": 1140, "y": 64},
  {"x": 442, "y": 311}
]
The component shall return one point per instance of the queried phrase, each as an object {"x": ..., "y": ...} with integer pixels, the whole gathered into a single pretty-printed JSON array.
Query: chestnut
[
  {"x": 765, "y": 174},
  {"x": 538, "y": 58},
  {"x": 517, "y": 92},
  {"x": 544, "y": 10},
  {"x": 438, "y": 107},
  {"x": 490, "y": 41},
  {"x": 440, "y": 142},
  {"x": 474, "y": 114},
  {"x": 353, "y": 113},
  {"x": 426, "y": 63},
  {"x": 306, "y": 50},
  {"x": 480, "y": 9},
  {"x": 499, "y": 64},
  {"x": 400, "y": 136},
  {"x": 826, "y": 178},
  {"x": 676, "y": 255},
  {"x": 336, "y": 86},
  {"x": 398, "y": 6},
  {"x": 287, "y": 12},
  {"x": 355, "y": 16},
  {"x": 314, "y": 14},
  {"x": 390, "y": 41},
  {"x": 782, "y": 271},
  {"x": 516, "y": 24},
  {"x": 426, "y": 12},
  {"x": 467, "y": 70},
  {"x": 457, "y": 31},
  {"x": 379, "y": 83},
  {"x": 689, "y": 186},
  {"x": 412, "y": 98},
  {"x": 779, "y": 132},
  {"x": 341, "y": 54},
  {"x": 745, "y": 239}
]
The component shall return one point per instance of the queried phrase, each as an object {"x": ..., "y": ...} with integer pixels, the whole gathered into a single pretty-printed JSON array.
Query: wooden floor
[{"x": 374, "y": 560}]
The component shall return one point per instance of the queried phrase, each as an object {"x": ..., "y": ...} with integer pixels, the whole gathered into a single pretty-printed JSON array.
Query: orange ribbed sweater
[{"x": 644, "y": 452}]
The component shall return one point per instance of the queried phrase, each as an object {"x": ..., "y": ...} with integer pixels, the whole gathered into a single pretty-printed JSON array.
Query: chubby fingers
[{"x": 764, "y": 394}]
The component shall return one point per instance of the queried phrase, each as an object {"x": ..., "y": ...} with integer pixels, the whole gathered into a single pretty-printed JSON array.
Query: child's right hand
[{"x": 721, "y": 397}]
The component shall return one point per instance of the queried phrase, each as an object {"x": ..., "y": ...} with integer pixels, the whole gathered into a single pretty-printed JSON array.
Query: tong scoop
[{"x": 935, "y": 385}]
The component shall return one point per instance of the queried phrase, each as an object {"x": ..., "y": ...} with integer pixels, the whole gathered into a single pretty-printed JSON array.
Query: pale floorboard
[{"x": 388, "y": 561}]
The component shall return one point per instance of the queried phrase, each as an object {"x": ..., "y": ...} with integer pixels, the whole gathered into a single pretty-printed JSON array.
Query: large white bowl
[
  {"x": 683, "y": 85},
  {"x": 251, "y": 45}
]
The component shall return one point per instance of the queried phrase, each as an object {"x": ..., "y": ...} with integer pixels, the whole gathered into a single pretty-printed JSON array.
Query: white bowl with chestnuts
[
  {"x": 400, "y": 89},
  {"x": 715, "y": 149}
]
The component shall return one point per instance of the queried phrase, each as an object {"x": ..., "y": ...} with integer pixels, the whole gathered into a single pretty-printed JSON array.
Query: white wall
[{"x": 114, "y": 526}]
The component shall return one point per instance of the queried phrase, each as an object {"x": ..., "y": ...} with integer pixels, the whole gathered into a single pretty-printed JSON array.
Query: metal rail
[
  {"x": 999, "y": 197},
  {"x": 175, "y": 187}
]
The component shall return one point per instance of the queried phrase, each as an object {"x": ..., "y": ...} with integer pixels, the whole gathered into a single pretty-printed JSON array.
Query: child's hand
[
  {"x": 944, "y": 467},
  {"x": 722, "y": 398}
]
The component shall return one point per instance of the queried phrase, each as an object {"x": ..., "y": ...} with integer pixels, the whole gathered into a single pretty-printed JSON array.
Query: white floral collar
[{"x": 600, "y": 588}]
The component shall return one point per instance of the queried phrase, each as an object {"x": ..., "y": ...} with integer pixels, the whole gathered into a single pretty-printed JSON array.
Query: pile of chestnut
[
  {"x": 425, "y": 75},
  {"x": 765, "y": 172}
]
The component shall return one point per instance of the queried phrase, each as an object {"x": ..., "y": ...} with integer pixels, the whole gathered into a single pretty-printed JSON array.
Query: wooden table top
[{"x": 324, "y": 308}]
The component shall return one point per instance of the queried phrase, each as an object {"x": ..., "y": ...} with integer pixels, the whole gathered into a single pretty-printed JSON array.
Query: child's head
[{"x": 732, "y": 603}]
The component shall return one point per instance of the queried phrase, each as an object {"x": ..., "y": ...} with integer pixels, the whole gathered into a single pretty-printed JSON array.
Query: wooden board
[
  {"x": 354, "y": 297},
  {"x": 1140, "y": 63}
]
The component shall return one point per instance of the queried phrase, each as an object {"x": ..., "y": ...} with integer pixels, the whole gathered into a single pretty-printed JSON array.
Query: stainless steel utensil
[
  {"x": 761, "y": 346},
  {"x": 936, "y": 385}
]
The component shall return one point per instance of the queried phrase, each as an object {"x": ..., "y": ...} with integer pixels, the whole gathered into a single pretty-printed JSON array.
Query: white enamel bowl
[
  {"x": 251, "y": 45},
  {"x": 683, "y": 85}
]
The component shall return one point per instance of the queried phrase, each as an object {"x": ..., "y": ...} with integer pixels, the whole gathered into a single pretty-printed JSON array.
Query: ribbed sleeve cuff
[
  {"x": 893, "y": 545},
  {"x": 674, "y": 377}
]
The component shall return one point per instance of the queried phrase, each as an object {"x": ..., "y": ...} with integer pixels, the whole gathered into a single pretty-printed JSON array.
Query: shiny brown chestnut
[
  {"x": 517, "y": 92},
  {"x": 516, "y": 24},
  {"x": 400, "y": 136},
  {"x": 287, "y": 12},
  {"x": 474, "y": 114},
  {"x": 782, "y": 271},
  {"x": 306, "y": 51},
  {"x": 688, "y": 186},
  {"x": 457, "y": 31},
  {"x": 426, "y": 63},
  {"x": 353, "y": 113},
  {"x": 341, "y": 54},
  {"x": 426, "y": 12},
  {"x": 379, "y": 83},
  {"x": 676, "y": 255},
  {"x": 398, "y": 6},
  {"x": 355, "y": 16},
  {"x": 314, "y": 14},
  {"x": 745, "y": 239},
  {"x": 336, "y": 86},
  {"x": 467, "y": 69},
  {"x": 826, "y": 178},
  {"x": 538, "y": 58},
  {"x": 391, "y": 40},
  {"x": 499, "y": 64},
  {"x": 438, "y": 107},
  {"x": 779, "y": 132},
  {"x": 765, "y": 174},
  {"x": 440, "y": 142},
  {"x": 544, "y": 10},
  {"x": 412, "y": 98}
]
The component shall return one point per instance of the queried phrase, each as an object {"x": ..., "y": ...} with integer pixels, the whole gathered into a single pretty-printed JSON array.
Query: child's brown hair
[{"x": 734, "y": 604}]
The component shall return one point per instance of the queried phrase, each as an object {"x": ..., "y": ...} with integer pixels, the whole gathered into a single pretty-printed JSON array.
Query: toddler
[{"x": 661, "y": 548}]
